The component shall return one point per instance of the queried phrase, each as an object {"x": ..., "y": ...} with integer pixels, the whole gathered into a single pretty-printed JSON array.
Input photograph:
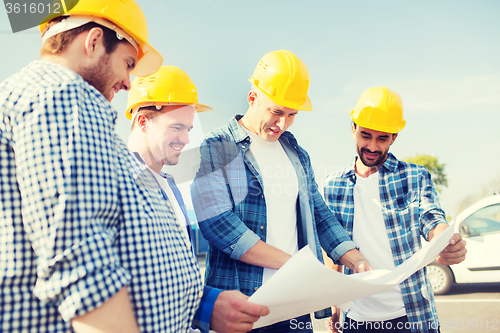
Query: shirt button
[
  {"x": 261, "y": 227},
  {"x": 243, "y": 147},
  {"x": 256, "y": 288},
  {"x": 200, "y": 295}
]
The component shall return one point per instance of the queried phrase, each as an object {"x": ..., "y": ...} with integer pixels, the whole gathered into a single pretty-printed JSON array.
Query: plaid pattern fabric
[
  {"x": 411, "y": 208},
  {"x": 203, "y": 314},
  {"x": 75, "y": 226},
  {"x": 231, "y": 209}
]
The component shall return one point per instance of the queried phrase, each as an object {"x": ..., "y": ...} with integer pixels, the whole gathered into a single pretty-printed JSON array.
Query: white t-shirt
[
  {"x": 281, "y": 189},
  {"x": 370, "y": 234}
]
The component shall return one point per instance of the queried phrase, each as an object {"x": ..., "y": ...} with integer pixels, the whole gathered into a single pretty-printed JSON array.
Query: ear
[
  {"x": 353, "y": 130},
  {"x": 94, "y": 42},
  {"x": 252, "y": 97},
  {"x": 394, "y": 136},
  {"x": 142, "y": 122}
]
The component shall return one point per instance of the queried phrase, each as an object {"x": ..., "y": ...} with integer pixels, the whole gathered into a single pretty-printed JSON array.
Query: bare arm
[
  {"x": 355, "y": 261},
  {"x": 114, "y": 315},
  {"x": 265, "y": 255}
]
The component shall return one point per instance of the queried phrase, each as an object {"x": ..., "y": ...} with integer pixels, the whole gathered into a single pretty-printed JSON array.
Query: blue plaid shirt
[
  {"x": 75, "y": 226},
  {"x": 230, "y": 207},
  {"x": 411, "y": 209}
]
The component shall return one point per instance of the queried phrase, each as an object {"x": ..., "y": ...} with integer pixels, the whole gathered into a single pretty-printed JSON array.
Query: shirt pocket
[{"x": 405, "y": 208}]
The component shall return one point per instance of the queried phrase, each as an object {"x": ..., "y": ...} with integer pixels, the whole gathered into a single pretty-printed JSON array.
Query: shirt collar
[
  {"x": 240, "y": 134},
  {"x": 391, "y": 163}
]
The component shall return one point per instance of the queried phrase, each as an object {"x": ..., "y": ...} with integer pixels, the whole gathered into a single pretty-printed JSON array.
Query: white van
[{"x": 479, "y": 225}]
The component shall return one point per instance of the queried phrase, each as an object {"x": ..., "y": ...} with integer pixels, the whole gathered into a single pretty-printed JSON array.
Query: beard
[
  {"x": 100, "y": 76},
  {"x": 369, "y": 163}
]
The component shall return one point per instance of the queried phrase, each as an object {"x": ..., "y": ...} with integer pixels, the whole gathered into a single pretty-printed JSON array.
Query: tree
[{"x": 435, "y": 168}]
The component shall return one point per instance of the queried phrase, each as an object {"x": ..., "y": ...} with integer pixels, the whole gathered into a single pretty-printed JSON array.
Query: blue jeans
[{"x": 302, "y": 324}]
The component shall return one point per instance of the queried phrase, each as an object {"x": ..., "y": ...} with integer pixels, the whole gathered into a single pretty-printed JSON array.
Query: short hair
[
  {"x": 149, "y": 112},
  {"x": 58, "y": 43}
]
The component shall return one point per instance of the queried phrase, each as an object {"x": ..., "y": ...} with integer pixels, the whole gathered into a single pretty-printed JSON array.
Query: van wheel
[{"x": 441, "y": 278}]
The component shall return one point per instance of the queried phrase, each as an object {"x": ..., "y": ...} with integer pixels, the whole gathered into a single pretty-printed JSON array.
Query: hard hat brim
[
  {"x": 202, "y": 107},
  {"x": 133, "y": 108},
  {"x": 378, "y": 127},
  {"x": 149, "y": 63},
  {"x": 306, "y": 106},
  {"x": 149, "y": 60}
]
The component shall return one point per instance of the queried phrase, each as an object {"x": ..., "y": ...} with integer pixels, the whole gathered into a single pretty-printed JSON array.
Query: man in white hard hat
[
  {"x": 255, "y": 196},
  {"x": 386, "y": 206},
  {"x": 162, "y": 107},
  {"x": 78, "y": 253}
]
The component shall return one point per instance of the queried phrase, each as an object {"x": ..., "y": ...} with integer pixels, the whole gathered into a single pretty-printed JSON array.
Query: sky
[{"x": 441, "y": 57}]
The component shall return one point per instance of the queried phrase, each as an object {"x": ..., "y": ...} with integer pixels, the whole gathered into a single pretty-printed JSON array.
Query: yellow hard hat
[
  {"x": 169, "y": 86},
  {"x": 123, "y": 16},
  {"x": 379, "y": 109},
  {"x": 284, "y": 78}
]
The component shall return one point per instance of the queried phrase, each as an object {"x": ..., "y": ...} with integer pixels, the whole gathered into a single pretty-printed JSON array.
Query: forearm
[
  {"x": 354, "y": 260},
  {"x": 332, "y": 235},
  {"x": 114, "y": 315},
  {"x": 437, "y": 230},
  {"x": 265, "y": 255}
]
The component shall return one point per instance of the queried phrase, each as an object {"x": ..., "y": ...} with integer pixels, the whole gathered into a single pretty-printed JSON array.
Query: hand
[
  {"x": 334, "y": 324},
  {"x": 455, "y": 252},
  {"x": 362, "y": 265},
  {"x": 233, "y": 313}
]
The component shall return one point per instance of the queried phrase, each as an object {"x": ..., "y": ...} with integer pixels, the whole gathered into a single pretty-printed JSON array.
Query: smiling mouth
[
  {"x": 114, "y": 90},
  {"x": 371, "y": 155},
  {"x": 275, "y": 131},
  {"x": 177, "y": 148}
]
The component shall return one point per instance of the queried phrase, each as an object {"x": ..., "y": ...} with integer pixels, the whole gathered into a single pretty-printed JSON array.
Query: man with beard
[
  {"x": 255, "y": 195},
  {"x": 77, "y": 251},
  {"x": 162, "y": 108},
  {"x": 386, "y": 205}
]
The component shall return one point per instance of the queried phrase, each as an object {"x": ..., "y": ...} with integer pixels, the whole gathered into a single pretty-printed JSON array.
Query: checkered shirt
[
  {"x": 411, "y": 208},
  {"x": 75, "y": 226},
  {"x": 230, "y": 207}
]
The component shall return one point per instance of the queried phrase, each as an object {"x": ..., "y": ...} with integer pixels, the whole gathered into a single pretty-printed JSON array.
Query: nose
[
  {"x": 281, "y": 123},
  {"x": 126, "y": 83},
  {"x": 372, "y": 145},
  {"x": 184, "y": 137}
]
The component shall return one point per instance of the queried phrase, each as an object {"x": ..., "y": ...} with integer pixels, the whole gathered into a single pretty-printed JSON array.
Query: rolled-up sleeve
[
  {"x": 203, "y": 315},
  {"x": 332, "y": 235},
  {"x": 64, "y": 151},
  {"x": 430, "y": 211},
  {"x": 229, "y": 234},
  {"x": 219, "y": 185}
]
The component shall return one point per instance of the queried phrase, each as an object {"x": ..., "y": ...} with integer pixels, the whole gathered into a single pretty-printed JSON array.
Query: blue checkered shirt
[
  {"x": 75, "y": 226},
  {"x": 203, "y": 315},
  {"x": 230, "y": 207},
  {"x": 411, "y": 208}
]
